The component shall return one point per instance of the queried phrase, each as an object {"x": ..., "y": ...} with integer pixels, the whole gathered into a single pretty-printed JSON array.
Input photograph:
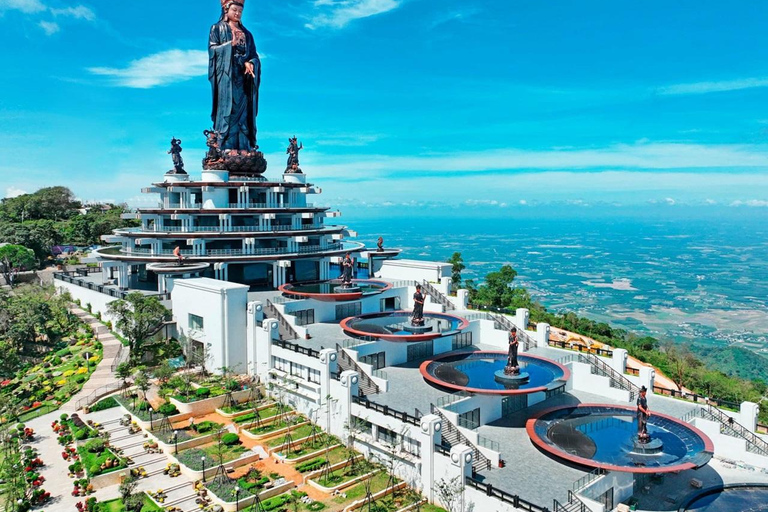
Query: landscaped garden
[
  {"x": 63, "y": 350},
  {"x": 98, "y": 459},
  {"x": 195, "y": 430},
  {"x": 225, "y": 449},
  {"x": 116, "y": 505},
  {"x": 21, "y": 483}
]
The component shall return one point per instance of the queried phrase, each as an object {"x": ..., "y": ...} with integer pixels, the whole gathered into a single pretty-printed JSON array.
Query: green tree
[
  {"x": 138, "y": 316},
  {"x": 164, "y": 372},
  {"x": 123, "y": 371},
  {"x": 457, "y": 265},
  {"x": 497, "y": 290},
  {"x": 14, "y": 259}
]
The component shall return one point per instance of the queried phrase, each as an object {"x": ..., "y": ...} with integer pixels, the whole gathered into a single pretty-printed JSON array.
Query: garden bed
[
  {"x": 243, "y": 409},
  {"x": 191, "y": 457},
  {"x": 94, "y": 462},
  {"x": 272, "y": 430},
  {"x": 268, "y": 412},
  {"x": 116, "y": 505}
]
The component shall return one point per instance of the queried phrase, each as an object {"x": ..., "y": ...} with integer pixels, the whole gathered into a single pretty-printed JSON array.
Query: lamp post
[
  {"x": 151, "y": 425},
  {"x": 175, "y": 442},
  {"x": 203, "y": 459},
  {"x": 237, "y": 497}
]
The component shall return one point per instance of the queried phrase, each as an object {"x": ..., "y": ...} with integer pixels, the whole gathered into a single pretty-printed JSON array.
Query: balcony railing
[
  {"x": 306, "y": 249},
  {"x": 234, "y": 206},
  {"x": 231, "y": 229}
]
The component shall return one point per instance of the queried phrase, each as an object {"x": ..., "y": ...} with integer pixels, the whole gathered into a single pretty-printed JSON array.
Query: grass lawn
[
  {"x": 91, "y": 460},
  {"x": 116, "y": 505},
  {"x": 297, "y": 433},
  {"x": 378, "y": 483},
  {"x": 263, "y": 414},
  {"x": 192, "y": 457},
  {"x": 341, "y": 475}
]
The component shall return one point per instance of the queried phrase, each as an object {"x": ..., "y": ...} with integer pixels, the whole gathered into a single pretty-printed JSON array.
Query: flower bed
[
  {"x": 297, "y": 434},
  {"x": 98, "y": 459},
  {"x": 116, "y": 505}
]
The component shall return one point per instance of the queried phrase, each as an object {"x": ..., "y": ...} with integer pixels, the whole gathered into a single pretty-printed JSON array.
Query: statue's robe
[{"x": 235, "y": 95}]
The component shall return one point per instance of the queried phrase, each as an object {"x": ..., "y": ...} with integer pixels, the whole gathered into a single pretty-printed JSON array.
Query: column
[
  {"x": 328, "y": 357},
  {"x": 619, "y": 360},
  {"x": 461, "y": 462},
  {"x": 430, "y": 433},
  {"x": 748, "y": 415},
  {"x": 263, "y": 347},
  {"x": 647, "y": 377},
  {"x": 542, "y": 335},
  {"x": 463, "y": 296},
  {"x": 349, "y": 381},
  {"x": 522, "y": 316}
]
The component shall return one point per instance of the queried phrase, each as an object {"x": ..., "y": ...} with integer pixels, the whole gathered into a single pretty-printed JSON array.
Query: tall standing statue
[
  {"x": 293, "y": 155},
  {"x": 234, "y": 70},
  {"x": 175, "y": 152}
]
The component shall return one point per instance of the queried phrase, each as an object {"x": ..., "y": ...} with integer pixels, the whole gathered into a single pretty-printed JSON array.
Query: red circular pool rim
[
  {"x": 709, "y": 446},
  {"x": 479, "y": 391},
  {"x": 411, "y": 338},
  {"x": 334, "y": 297}
]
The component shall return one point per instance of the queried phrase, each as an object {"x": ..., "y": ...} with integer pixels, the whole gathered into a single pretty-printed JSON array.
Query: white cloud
[
  {"x": 710, "y": 202},
  {"x": 523, "y": 202},
  {"x": 80, "y": 12},
  {"x": 14, "y": 192},
  {"x": 25, "y": 6},
  {"x": 670, "y": 201},
  {"x": 708, "y": 87},
  {"x": 621, "y": 156},
  {"x": 758, "y": 203},
  {"x": 339, "y": 13},
  {"x": 49, "y": 27},
  {"x": 159, "y": 69}
]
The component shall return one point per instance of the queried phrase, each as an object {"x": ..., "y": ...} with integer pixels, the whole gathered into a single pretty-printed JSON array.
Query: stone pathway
[{"x": 56, "y": 468}]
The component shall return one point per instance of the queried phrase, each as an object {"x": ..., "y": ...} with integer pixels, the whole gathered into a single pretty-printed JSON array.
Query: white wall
[
  {"x": 733, "y": 448},
  {"x": 582, "y": 379},
  {"x": 414, "y": 269}
]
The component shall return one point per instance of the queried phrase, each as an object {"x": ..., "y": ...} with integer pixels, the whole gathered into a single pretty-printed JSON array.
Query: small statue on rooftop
[
  {"x": 214, "y": 151},
  {"x": 417, "y": 317},
  {"x": 175, "y": 152},
  {"x": 293, "y": 155},
  {"x": 642, "y": 416},
  {"x": 380, "y": 244},
  {"x": 513, "y": 367}
]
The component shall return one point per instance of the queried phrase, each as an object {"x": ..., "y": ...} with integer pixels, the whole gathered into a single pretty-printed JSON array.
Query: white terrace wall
[
  {"x": 732, "y": 448},
  {"x": 98, "y": 301}
]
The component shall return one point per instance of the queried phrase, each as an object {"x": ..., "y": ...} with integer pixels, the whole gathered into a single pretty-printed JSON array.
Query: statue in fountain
[
  {"x": 417, "y": 317},
  {"x": 642, "y": 416},
  {"x": 513, "y": 367},
  {"x": 346, "y": 270}
]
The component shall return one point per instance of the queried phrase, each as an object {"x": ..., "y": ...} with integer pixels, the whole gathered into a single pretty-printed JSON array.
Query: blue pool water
[
  {"x": 394, "y": 323},
  {"x": 476, "y": 370},
  {"x": 744, "y": 498}
]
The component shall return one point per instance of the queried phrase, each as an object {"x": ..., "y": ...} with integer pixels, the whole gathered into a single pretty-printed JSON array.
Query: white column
[
  {"x": 647, "y": 377},
  {"x": 463, "y": 297},
  {"x": 748, "y": 412},
  {"x": 522, "y": 316},
  {"x": 619, "y": 360},
  {"x": 542, "y": 335},
  {"x": 461, "y": 462},
  {"x": 264, "y": 337},
  {"x": 329, "y": 358},
  {"x": 430, "y": 431},
  {"x": 349, "y": 381}
]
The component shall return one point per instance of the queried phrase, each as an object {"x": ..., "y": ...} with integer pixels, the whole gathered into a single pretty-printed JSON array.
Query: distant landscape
[{"x": 698, "y": 282}]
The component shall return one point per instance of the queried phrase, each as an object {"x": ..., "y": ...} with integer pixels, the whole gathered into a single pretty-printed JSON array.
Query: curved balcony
[
  {"x": 118, "y": 253},
  {"x": 233, "y": 206},
  {"x": 218, "y": 232}
]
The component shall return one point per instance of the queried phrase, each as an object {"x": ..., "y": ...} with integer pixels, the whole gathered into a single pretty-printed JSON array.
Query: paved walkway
[{"x": 46, "y": 441}]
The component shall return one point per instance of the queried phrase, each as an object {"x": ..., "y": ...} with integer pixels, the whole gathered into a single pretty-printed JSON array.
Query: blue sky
[{"x": 500, "y": 104}]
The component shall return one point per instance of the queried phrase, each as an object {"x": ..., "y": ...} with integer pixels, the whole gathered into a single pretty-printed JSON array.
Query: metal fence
[{"x": 512, "y": 499}]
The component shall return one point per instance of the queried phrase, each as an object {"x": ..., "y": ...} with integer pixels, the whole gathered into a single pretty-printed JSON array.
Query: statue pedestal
[
  {"x": 295, "y": 177},
  {"x": 520, "y": 378},
  {"x": 649, "y": 448},
  {"x": 347, "y": 289},
  {"x": 417, "y": 329},
  {"x": 174, "y": 177}
]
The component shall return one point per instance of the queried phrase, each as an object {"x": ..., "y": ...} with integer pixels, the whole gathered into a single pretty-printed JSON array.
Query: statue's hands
[{"x": 249, "y": 69}]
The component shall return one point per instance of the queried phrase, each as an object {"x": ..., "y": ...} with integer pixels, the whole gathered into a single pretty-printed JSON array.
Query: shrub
[
  {"x": 102, "y": 405},
  {"x": 315, "y": 506},
  {"x": 310, "y": 465},
  {"x": 233, "y": 385},
  {"x": 206, "y": 426},
  {"x": 202, "y": 392},
  {"x": 56, "y": 360},
  {"x": 81, "y": 379},
  {"x": 230, "y": 439},
  {"x": 167, "y": 409},
  {"x": 63, "y": 352},
  {"x": 64, "y": 416},
  {"x": 94, "y": 469},
  {"x": 81, "y": 434},
  {"x": 95, "y": 446}
]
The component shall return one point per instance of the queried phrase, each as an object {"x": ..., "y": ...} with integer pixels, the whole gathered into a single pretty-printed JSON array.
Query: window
[
  {"x": 304, "y": 316},
  {"x": 314, "y": 376},
  {"x": 346, "y": 310},
  {"x": 364, "y": 426},
  {"x": 512, "y": 404},
  {"x": 281, "y": 364},
  {"x": 420, "y": 351},
  {"x": 470, "y": 419},
  {"x": 461, "y": 340},
  {"x": 412, "y": 446},
  {"x": 377, "y": 360},
  {"x": 195, "y": 322},
  {"x": 387, "y": 436},
  {"x": 297, "y": 370},
  {"x": 390, "y": 304}
]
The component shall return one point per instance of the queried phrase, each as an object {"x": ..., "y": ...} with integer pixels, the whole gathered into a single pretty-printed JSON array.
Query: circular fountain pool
[
  {"x": 729, "y": 498},
  {"x": 476, "y": 372},
  {"x": 396, "y": 326},
  {"x": 605, "y": 436},
  {"x": 335, "y": 291}
]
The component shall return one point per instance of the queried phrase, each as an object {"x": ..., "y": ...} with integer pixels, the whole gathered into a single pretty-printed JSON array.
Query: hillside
[{"x": 734, "y": 361}]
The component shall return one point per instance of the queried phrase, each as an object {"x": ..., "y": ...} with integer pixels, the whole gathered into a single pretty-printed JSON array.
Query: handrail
[
  {"x": 447, "y": 400},
  {"x": 479, "y": 461},
  {"x": 581, "y": 348},
  {"x": 438, "y": 296},
  {"x": 587, "y": 479},
  {"x": 232, "y": 229},
  {"x": 367, "y": 386},
  {"x": 513, "y": 499},
  {"x": 599, "y": 367},
  {"x": 106, "y": 290},
  {"x": 264, "y": 251},
  {"x": 99, "y": 393},
  {"x": 120, "y": 357},
  {"x": 386, "y": 410},
  {"x": 693, "y": 397},
  {"x": 294, "y": 347},
  {"x": 287, "y": 331},
  {"x": 729, "y": 426}
]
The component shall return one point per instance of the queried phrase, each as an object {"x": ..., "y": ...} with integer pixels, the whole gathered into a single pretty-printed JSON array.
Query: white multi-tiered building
[{"x": 249, "y": 230}]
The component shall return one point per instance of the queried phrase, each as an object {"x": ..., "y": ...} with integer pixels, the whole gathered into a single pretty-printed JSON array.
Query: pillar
[
  {"x": 748, "y": 412},
  {"x": 647, "y": 377},
  {"x": 619, "y": 360},
  {"x": 542, "y": 335},
  {"x": 430, "y": 432},
  {"x": 349, "y": 381},
  {"x": 328, "y": 359},
  {"x": 461, "y": 466},
  {"x": 522, "y": 316},
  {"x": 463, "y": 296},
  {"x": 263, "y": 346}
]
